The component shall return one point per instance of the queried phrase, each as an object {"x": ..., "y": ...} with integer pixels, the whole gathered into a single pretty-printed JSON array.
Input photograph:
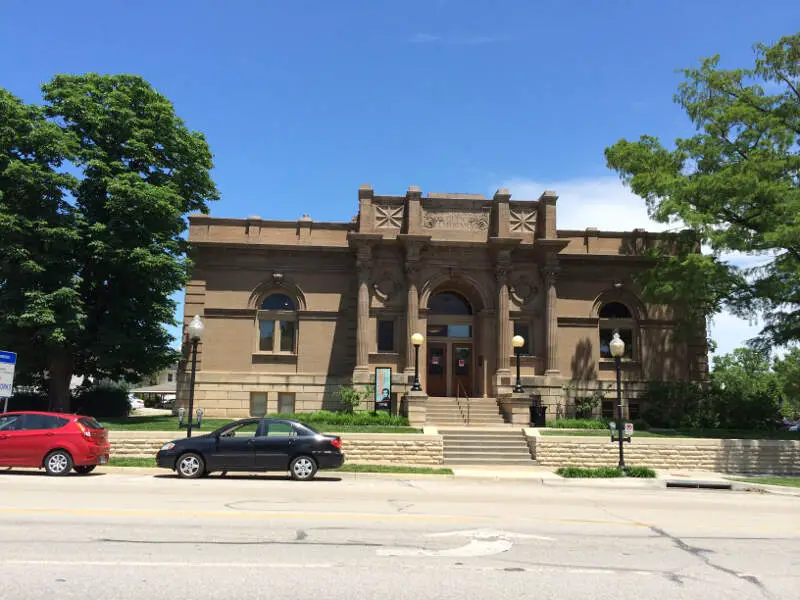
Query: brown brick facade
[{"x": 293, "y": 310}]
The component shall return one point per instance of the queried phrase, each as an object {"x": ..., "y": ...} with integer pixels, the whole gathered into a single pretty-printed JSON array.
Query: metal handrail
[{"x": 460, "y": 387}]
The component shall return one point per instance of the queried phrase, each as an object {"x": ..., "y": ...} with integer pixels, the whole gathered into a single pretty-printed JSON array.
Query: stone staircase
[
  {"x": 453, "y": 412},
  {"x": 486, "y": 447}
]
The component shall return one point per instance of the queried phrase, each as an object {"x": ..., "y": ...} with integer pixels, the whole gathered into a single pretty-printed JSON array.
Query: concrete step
[
  {"x": 484, "y": 445},
  {"x": 509, "y": 432},
  {"x": 488, "y": 461}
]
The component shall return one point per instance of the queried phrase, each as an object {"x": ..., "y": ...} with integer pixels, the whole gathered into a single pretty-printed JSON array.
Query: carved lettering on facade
[{"x": 464, "y": 220}]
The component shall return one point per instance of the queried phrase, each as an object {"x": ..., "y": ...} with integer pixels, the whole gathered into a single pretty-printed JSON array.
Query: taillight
[
  {"x": 336, "y": 443},
  {"x": 85, "y": 432}
]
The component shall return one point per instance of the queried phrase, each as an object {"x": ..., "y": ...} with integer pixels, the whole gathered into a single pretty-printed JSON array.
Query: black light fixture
[
  {"x": 195, "y": 330},
  {"x": 417, "y": 340},
  {"x": 518, "y": 342}
]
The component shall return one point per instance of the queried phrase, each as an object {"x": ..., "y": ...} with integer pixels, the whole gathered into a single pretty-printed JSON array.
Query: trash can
[{"x": 538, "y": 413}]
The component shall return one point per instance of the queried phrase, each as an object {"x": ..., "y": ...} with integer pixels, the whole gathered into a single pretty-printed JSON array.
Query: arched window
[
  {"x": 616, "y": 317},
  {"x": 277, "y": 324},
  {"x": 449, "y": 303}
]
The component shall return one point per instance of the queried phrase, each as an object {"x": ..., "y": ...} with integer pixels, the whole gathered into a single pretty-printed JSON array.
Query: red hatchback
[{"x": 55, "y": 442}]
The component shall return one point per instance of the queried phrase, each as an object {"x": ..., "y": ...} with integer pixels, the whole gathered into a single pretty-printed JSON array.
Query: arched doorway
[{"x": 450, "y": 361}]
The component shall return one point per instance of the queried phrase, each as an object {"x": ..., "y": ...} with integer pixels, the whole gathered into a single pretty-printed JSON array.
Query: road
[{"x": 130, "y": 534}]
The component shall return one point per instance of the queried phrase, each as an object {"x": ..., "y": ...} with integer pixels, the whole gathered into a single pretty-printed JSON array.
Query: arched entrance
[{"x": 450, "y": 361}]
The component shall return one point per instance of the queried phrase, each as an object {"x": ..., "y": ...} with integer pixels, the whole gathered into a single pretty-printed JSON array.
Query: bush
[
  {"x": 359, "y": 418},
  {"x": 102, "y": 400},
  {"x": 351, "y": 397},
  {"x": 578, "y": 424},
  {"x": 605, "y": 472},
  {"x": 27, "y": 401}
]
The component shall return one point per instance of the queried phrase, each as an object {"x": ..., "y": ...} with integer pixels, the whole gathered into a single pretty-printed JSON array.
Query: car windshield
[{"x": 7, "y": 422}]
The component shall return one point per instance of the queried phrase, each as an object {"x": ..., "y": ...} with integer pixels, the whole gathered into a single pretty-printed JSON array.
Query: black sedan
[{"x": 254, "y": 445}]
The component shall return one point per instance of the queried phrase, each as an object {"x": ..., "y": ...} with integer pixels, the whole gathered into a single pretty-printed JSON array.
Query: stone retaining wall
[
  {"x": 360, "y": 448},
  {"x": 775, "y": 457}
]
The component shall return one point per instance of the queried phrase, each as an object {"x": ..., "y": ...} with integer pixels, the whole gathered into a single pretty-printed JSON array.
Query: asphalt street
[{"x": 130, "y": 534}]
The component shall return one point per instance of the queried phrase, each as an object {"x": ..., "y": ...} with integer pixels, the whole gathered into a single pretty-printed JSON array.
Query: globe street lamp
[
  {"x": 195, "y": 330},
  {"x": 617, "y": 347},
  {"x": 518, "y": 342},
  {"x": 417, "y": 340}
]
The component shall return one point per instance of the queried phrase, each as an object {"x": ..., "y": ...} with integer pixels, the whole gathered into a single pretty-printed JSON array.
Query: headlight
[{"x": 168, "y": 446}]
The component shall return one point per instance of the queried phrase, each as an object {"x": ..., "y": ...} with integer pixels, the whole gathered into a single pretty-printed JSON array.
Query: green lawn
[
  {"x": 347, "y": 468},
  {"x": 169, "y": 423},
  {"x": 785, "y": 481},
  {"x": 685, "y": 433}
]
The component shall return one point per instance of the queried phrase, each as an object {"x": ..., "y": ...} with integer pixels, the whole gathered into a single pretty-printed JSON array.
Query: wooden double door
[{"x": 450, "y": 369}]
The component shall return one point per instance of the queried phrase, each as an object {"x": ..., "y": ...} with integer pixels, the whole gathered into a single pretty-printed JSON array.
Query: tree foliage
[
  {"x": 94, "y": 256},
  {"x": 735, "y": 184}
]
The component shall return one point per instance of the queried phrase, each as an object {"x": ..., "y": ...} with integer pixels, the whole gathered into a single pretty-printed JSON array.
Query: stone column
[
  {"x": 363, "y": 265},
  {"x": 550, "y": 274},
  {"x": 412, "y": 313},
  {"x": 503, "y": 331}
]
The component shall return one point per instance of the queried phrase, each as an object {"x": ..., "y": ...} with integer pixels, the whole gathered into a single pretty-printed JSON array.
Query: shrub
[
  {"x": 359, "y": 418},
  {"x": 578, "y": 424},
  {"x": 103, "y": 400},
  {"x": 351, "y": 397},
  {"x": 27, "y": 401},
  {"x": 605, "y": 472}
]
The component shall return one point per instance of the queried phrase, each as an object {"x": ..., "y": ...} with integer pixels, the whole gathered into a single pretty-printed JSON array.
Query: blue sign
[{"x": 8, "y": 361}]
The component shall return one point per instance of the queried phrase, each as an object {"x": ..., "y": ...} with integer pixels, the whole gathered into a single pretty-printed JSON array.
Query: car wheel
[
  {"x": 85, "y": 469},
  {"x": 190, "y": 466},
  {"x": 58, "y": 463},
  {"x": 303, "y": 468}
]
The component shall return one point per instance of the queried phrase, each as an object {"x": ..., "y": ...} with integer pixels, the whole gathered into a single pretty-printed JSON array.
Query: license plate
[{"x": 102, "y": 460}]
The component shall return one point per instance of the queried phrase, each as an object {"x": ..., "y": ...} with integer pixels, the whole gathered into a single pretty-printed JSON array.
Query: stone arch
[
  {"x": 277, "y": 284},
  {"x": 464, "y": 285}
]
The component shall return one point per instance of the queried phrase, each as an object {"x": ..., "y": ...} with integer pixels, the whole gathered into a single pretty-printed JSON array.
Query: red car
[{"x": 55, "y": 442}]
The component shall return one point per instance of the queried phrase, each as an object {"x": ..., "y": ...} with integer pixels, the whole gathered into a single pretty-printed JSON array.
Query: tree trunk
[{"x": 60, "y": 372}]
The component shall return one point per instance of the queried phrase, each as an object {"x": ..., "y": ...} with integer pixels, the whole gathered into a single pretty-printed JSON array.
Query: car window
[
  {"x": 10, "y": 422},
  {"x": 280, "y": 430},
  {"x": 43, "y": 422},
  {"x": 90, "y": 423},
  {"x": 243, "y": 430},
  {"x": 304, "y": 430}
]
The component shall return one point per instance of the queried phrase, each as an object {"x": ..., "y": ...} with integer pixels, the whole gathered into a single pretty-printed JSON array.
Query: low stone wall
[
  {"x": 411, "y": 449},
  {"x": 774, "y": 457}
]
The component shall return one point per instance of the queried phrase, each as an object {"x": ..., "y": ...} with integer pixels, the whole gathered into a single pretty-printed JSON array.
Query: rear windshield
[
  {"x": 304, "y": 429},
  {"x": 89, "y": 423}
]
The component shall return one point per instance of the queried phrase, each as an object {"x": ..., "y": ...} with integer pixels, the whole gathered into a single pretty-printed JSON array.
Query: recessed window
[
  {"x": 449, "y": 303},
  {"x": 277, "y": 324},
  {"x": 258, "y": 404},
  {"x": 523, "y": 329},
  {"x": 616, "y": 317},
  {"x": 385, "y": 335},
  {"x": 286, "y": 402}
]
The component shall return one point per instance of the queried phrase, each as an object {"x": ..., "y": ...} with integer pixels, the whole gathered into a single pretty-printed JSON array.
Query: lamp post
[
  {"x": 518, "y": 342},
  {"x": 195, "y": 330},
  {"x": 417, "y": 340},
  {"x": 617, "y": 347}
]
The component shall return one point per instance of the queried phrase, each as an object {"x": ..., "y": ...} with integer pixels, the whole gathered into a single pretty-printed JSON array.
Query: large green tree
[
  {"x": 139, "y": 172},
  {"x": 735, "y": 185}
]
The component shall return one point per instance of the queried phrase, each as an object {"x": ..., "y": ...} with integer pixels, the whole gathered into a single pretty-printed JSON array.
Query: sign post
[{"x": 8, "y": 362}]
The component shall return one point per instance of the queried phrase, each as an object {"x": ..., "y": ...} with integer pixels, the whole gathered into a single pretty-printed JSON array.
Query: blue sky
[{"x": 303, "y": 101}]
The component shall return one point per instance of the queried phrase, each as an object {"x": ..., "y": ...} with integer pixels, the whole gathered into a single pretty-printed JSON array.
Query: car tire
[
  {"x": 190, "y": 466},
  {"x": 84, "y": 469},
  {"x": 303, "y": 468},
  {"x": 58, "y": 463}
]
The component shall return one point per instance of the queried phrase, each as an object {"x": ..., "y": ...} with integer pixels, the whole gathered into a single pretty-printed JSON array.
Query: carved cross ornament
[
  {"x": 523, "y": 221},
  {"x": 389, "y": 217}
]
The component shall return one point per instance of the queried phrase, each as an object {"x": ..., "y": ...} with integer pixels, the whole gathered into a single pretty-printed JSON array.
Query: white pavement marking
[
  {"x": 130, "y": 563},
  {"x": 473, "y": 549},
  {"x": 489, "y": 534}
]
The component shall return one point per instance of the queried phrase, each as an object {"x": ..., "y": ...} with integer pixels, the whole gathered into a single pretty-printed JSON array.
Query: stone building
[{"x": 293, "y": 310}]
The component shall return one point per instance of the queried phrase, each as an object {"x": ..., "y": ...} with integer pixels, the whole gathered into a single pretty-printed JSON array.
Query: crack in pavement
[{"x": 702, "y": 555}]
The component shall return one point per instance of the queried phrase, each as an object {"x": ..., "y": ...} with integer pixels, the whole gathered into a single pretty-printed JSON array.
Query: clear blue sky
[{"x": 303, "y": 101}]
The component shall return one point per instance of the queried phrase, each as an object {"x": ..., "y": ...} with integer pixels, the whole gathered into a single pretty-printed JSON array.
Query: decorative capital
[{"x": 501, "y": 273}]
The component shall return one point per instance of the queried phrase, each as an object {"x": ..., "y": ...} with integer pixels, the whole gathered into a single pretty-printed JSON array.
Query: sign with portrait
[{"x": 383, "y": 389}]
